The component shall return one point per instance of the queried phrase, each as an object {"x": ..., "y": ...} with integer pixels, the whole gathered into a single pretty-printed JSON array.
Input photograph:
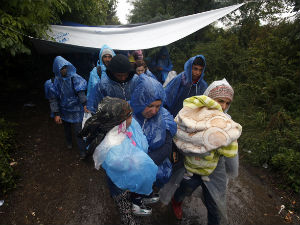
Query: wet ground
[{"x": 55, "y": 187}]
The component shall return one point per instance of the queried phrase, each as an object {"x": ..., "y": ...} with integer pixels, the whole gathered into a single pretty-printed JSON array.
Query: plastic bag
[
  {"x": 167, "y": 192},
  {"x": 130, "y": 168},
  {"x": 85, "y": 118},
  {"x": 127, "y": 165}
]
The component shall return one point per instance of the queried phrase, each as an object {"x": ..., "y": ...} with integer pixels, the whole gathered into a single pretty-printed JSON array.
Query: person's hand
[
  {"x": 57, "y": 120},
  {"x": 85, "y": 109}
]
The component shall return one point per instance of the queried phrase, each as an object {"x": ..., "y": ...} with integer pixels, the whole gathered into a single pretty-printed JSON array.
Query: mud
[{"x": 55, "y": 187}]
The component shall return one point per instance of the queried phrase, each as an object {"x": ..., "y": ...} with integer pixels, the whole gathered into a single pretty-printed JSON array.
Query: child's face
[
  {"x": 139, "y": 70},
  {"x": 224, "y": 102}
]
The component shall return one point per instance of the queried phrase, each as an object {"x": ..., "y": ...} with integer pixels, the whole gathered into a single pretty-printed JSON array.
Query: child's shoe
[
  {"x": 141, "y": 210},
  {"x": 152, "y": 198}
]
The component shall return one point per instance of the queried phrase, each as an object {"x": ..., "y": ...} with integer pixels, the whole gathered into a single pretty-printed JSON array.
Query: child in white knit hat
[{"x": 214, "y": 182}]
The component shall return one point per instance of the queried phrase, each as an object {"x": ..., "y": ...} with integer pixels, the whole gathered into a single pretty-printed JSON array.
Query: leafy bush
[
  {"x": 288, "y": 162},
  {"x": 264, "y": 73},
  {"x": 7, "y": 176}
]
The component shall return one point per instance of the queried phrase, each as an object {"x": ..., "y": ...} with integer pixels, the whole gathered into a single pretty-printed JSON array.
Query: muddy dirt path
[{"x": 55, "y": 187}]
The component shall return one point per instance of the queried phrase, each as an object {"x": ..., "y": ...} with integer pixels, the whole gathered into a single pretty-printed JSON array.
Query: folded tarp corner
[{"x": 86, "y": 39}]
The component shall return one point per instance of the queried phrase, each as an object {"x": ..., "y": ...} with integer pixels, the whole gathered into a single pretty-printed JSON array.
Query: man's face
[
  {"x": 121, "y": 77},
  {"x": 63, "y": 71},
  {"x": 152, "y": 109},
  {"x": 106, "y": 59},
  {"x": 196, "y": 72}
]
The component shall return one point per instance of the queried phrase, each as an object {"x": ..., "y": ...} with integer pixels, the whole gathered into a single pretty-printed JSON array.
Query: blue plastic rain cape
[
  {"x": 148, "y": 72},
  {"x": 127, "y": 164},
  {"x": 162, "y": 60},
  {"x": 66, "y": 88},
  {"x": 147, "y": 91},
  {"x": 49, "y": 91},
  {"x": 94, "y": 79},
  {"x": 182, "y": 87},
  {"x": 108, "y": 87}
]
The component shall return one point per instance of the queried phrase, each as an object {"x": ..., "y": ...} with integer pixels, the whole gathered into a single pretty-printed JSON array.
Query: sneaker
[
  {"x": 176, "y": 206},
  {"x": 141, "y": 210},
  {"x": 152, "y": 198}
]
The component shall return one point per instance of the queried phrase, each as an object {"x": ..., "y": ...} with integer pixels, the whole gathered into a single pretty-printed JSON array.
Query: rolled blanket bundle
[{"x": 203, "y": 127}]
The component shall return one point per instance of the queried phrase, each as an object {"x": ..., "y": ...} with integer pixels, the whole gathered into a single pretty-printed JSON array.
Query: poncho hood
[{"x": 59, "y": 62}]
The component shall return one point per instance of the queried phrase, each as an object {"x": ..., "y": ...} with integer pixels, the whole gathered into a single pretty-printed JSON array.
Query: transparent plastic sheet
[
  {"x": 217, "y": 187},
  {"x": 170, "y": 76},
  {"x": 167, "y": 192},
  {"x": 111, "y": 139},
  {"x": 232, "y": 166}
]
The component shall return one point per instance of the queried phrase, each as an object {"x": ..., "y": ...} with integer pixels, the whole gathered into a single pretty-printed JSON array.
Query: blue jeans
[
  {"x": 68, "y": 134},
  {"x": 187, "y": 187}
]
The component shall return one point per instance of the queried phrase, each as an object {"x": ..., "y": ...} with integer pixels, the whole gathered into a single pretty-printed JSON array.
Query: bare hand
[
  {"x": 57, "y": 120},
  {"x": 85, "y": 109}
]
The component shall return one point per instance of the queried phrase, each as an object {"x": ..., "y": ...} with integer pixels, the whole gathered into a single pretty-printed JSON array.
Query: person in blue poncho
[
  {"x": 119, "y": 82},
  {"x": 69, "y": 100},
  {"x": 188, "y": 83},
  {"x": 121, "y": 150},
  {"x": 161, "y": 65},
  {"x": 158, "y": 126},
  {"x": 105, "y": 56},
  {"x": 49, "y": 90},
  {"x": 141, "y": 67}
]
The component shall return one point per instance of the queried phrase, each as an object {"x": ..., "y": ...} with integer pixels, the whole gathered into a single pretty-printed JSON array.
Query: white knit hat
[
  {"x": 219, "y": 88},
  {"x": 106, "y": 51}
]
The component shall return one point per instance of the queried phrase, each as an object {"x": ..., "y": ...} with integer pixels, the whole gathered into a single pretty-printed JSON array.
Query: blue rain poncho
[
  {"x": 164, "y": 62},
  {"x": 182, "y": 87},
  {"x": 150, "y": 74},
  {"x": 109, "y": 87},
  {"x": 67, "y": 89},
  {"x": 94, "y": 79},
  {"x": 49, "y": 91},
  {"x": 147, "y": 91}
]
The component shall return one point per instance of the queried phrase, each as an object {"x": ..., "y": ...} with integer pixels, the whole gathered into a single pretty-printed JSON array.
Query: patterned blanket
[{"x": 204, "y": 130}]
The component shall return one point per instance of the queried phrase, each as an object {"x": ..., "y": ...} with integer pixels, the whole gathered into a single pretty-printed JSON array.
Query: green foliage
[
  {"x": 19, "y": 19},
  {"x": 157, "y": 10},
  {"x": 262, "y": 65},
  {"x": 264, "y": 71},
  {"x": 89, "y": 12},
  {"x": 288, "y": 162},
  {"x": 27, "y": 17},
  {"x": 7, "y": 176}
]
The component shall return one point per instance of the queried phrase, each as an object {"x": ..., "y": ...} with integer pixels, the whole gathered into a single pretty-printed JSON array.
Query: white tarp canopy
[{"x": 138, "y": 37}]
